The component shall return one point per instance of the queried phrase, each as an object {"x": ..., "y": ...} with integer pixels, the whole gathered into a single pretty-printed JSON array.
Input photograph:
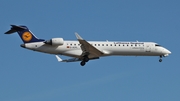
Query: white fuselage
[
  {"x": 82, "y": 50},
  {"x": 73, "y": 48}
]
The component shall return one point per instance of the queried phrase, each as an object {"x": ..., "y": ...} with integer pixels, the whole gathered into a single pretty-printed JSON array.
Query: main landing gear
[
  {"x": 85, "y": 59},
  {"x": 83, "y": 63},
  {"x": 160, "y": 60}
]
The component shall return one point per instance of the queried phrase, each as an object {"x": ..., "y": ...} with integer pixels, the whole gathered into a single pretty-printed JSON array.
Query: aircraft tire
[
  {"x": 83, "y": 63},
  {"x": 160, "y": 60}
]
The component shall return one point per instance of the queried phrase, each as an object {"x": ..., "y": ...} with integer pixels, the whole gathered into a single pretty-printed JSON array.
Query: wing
[
  {"x": 67, "y": 60},
  {"x": 70, "y": 60},
  {"x": 88, "y": 49}
]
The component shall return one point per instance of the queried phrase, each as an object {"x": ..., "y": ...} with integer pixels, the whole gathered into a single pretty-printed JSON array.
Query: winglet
[
  {"x": 78, "y": 36},
  {"x": 58, "y": 58}
]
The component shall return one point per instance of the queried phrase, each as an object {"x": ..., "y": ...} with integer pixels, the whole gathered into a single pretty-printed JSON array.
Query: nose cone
[
  {"x": 169, "y": 52},
  {"x": 166, "y": 52}
]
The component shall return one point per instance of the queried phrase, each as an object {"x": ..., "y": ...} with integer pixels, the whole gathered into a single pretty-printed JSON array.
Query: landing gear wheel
[
  {"x": 83, "y": 63},
  {"x": 160, "y": 60}
]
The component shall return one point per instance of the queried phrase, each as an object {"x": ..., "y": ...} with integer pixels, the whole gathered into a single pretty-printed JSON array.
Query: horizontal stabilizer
[{"x": 14, "y": 29}]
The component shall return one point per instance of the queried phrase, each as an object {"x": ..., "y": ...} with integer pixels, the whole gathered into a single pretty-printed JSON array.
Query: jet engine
[{"x": 55, "y": 41}]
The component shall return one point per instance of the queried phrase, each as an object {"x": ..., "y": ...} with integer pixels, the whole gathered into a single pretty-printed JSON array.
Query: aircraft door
[{"x": 148, "y": 47}]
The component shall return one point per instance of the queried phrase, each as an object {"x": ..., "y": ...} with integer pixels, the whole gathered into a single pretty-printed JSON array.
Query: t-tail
[{"x": 26, "y": 35}]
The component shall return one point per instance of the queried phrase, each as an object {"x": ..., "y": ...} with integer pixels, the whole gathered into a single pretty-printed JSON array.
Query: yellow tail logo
[{"x": 26, "y": 36}]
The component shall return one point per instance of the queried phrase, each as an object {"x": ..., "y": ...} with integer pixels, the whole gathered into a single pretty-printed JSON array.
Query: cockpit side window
[{"x": 157, "y": 45}]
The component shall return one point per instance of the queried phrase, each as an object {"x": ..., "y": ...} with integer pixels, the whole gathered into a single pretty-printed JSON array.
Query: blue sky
[{"x": 31, "y": 76}]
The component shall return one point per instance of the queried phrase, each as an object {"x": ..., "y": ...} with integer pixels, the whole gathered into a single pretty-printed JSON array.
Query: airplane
[{"x": 82, "y": 50}]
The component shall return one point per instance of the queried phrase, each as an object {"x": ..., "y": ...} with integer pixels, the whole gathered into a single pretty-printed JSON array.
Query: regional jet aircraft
[{"x": 82, "y": 50}]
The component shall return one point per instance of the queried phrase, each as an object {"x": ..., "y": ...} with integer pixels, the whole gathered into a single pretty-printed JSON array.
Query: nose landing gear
[{"x": 160, "y": 60}]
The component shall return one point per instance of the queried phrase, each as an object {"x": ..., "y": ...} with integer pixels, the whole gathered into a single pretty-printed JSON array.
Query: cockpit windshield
[{"x": 157, "y": 45}]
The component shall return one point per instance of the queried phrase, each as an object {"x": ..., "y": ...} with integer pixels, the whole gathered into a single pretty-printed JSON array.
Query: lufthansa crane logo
[{"x": 26, "y": 36}]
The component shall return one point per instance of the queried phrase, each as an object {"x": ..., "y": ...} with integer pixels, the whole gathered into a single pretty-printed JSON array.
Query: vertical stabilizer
[{"x": 26, "y": 35}]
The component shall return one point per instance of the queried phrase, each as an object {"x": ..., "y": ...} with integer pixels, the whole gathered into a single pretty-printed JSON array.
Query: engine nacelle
[{"x": 55, "y": 41}]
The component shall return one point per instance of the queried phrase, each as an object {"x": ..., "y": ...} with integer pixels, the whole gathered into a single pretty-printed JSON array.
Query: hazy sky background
[{"x": 32, "y": 76}]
